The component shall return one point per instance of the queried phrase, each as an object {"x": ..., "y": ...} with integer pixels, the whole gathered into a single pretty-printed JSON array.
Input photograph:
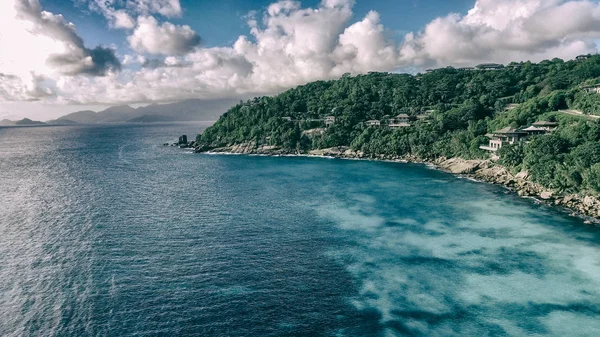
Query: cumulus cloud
[
  {"x": 168, "y": 39},
  {"x": 122, "y": 14},
  {"x": 507, "y": 30},
  {"x": 30, "y": 88},
  {"x": 289, "y": 44},
  {"x": 72, "y": 57}
]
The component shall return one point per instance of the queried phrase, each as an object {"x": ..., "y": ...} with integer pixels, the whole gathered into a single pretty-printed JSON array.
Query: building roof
[
  {"x": 508, "y": 130},
  {"x": 373, "y": 121},
  {"x": 489, "y": 65},
  {"x": 545, "y": 123},
  {"x": 402, "y": 116},
  {"x": 533, "y": 128}
]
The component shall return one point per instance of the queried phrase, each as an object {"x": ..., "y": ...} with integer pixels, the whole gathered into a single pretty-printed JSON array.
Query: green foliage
[{"x": 466, "y": 105}]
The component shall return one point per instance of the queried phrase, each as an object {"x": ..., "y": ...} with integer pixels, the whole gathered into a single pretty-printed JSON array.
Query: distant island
[
  {"x": 23, "y": 122},
  {"x": 531, "y": 127},
  {"x": 181, "y": 111}
]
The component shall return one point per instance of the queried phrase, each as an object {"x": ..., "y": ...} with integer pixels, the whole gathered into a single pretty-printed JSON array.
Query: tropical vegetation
[{"x": 461, "y": 105}]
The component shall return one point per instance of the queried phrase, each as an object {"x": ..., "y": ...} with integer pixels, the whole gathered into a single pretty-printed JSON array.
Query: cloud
[
  {"x": 507, "y": 30},
  {"x": 71, "y": 56},
  {"x": 30, "y": 88},
  {"x": 166, "y": 63},
  {"x": 122, "y": 14},
  {"x": 289, "y": 45},
  {"x": 167, "y": 39},
  {"x": 168, "y": 8}
]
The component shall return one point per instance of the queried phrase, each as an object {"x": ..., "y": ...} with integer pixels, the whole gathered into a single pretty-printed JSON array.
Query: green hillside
[{"x": 450, "y": 112}]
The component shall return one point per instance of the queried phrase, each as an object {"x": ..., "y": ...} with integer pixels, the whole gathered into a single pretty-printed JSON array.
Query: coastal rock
[
  {"x": 460, "y": 166},
  {"x": 523, "y": 175},
  {"x": 589, "y": 201},
  {"x": 330, "y": 152},
  {"x": 546, "y": 195}
]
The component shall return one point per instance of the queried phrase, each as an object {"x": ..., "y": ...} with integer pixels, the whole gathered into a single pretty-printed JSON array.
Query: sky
[{"x": 60, "y": 56}]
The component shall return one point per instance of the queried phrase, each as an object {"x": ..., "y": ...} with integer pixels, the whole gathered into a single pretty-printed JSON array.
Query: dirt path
[{"x": 579, "y": 114}]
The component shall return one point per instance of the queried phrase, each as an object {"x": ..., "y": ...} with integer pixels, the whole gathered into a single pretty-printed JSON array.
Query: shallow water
[{"x": 103, "y": 231}]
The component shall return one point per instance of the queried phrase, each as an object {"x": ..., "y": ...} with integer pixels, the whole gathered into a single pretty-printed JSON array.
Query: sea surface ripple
[{"x": 105, "y": 232}]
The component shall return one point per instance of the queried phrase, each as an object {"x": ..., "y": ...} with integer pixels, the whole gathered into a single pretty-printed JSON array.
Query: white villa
[
  {"x": 400, "y": 121},
  {"x": 592, "y": 89},
  {"x": 548, "y": 126},
  {"x": 373, "y": 122},
  {"x": 511, "y": 136},
  {"x": 503, "y": 137}
]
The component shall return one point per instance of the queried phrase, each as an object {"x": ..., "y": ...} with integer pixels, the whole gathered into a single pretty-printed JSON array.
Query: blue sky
[
  {"x": 219, "y": 23},
  {"x": 57, "y": 56}
]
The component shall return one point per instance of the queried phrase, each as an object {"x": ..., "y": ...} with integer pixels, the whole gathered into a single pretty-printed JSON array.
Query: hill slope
[{"x": 450, "y": 110}]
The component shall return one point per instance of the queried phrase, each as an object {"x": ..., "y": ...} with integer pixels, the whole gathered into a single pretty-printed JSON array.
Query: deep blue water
[{"x": 105, "y": 232}]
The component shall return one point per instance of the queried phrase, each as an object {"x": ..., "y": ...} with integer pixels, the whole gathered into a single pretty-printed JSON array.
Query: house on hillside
[
  {"x": 401, "y": 118},
  {"x": 467, "y": 69},
  {"x": 373, "y": 122},
  {"x": 289, "y": 119},
  {"x": 592, "y": 89},
  {"x": 503, "y": 137},
  {"x": 329, "y": 120},
  {"x": 548, "y": 126},
  {"x": 535, "y": 131},
  {"x": 490, "y": 66},
  {"x": 582, "y": 57}
]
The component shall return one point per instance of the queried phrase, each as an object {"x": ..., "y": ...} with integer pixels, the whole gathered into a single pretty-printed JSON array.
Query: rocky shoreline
[{"x": 585, "y": 206}]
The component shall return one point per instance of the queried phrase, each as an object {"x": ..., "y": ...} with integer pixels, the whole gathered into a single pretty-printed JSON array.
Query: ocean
[{"x": 105, "y": 232}]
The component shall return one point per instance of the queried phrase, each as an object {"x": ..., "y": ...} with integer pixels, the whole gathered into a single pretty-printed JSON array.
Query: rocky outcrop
[{"x": 461, "y": 166}]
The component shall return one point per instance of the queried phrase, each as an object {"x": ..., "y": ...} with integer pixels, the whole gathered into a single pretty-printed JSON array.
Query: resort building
[
  {"x": 399, "y": 125},
  {"x": 401, "y": 118},
  {"x": 503, "y": 137},
  {"x": 373, "y": 122},
  {"x": 592, "y": 89},
  {"x": 289, "y": 119},
  {"x": 490, "y": 66},
  {"x": 548, "y": 126},
  {"x": 582, "y": 57},
  {"x": 534, "y": 131},
  {"x": 329, "y": 120}
]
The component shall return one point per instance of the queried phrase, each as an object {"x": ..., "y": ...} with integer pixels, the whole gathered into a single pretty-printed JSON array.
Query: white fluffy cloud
[
  {"x": 168, "y": 39},
  {"x": 38, "y": 46},
  {"x": 507, "y": 30},
  {"x": 121, "y": 14},
  {"x": 290, "y": 45}
]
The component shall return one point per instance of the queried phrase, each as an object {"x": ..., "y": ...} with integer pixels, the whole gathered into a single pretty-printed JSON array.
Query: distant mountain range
[
  {"x": 186, "y": 110},
  {"x": 24, "y": 121}
]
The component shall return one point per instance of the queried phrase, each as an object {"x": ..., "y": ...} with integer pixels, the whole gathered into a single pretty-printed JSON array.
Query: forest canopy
[{"x": 459, "y": 106}]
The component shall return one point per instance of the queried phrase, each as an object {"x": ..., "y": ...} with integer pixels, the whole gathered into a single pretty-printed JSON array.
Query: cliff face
[{"x": 484, "y": 170}]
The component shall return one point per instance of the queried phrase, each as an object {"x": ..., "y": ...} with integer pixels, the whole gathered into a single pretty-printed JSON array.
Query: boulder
[
  {"x": 589, "y": 201},
  {"x": 522, "y": 175},
  {"x": 546, "y": 195}
]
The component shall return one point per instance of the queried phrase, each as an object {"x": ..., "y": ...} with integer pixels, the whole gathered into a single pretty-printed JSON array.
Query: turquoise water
[{"x": 104, "y": 232}]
